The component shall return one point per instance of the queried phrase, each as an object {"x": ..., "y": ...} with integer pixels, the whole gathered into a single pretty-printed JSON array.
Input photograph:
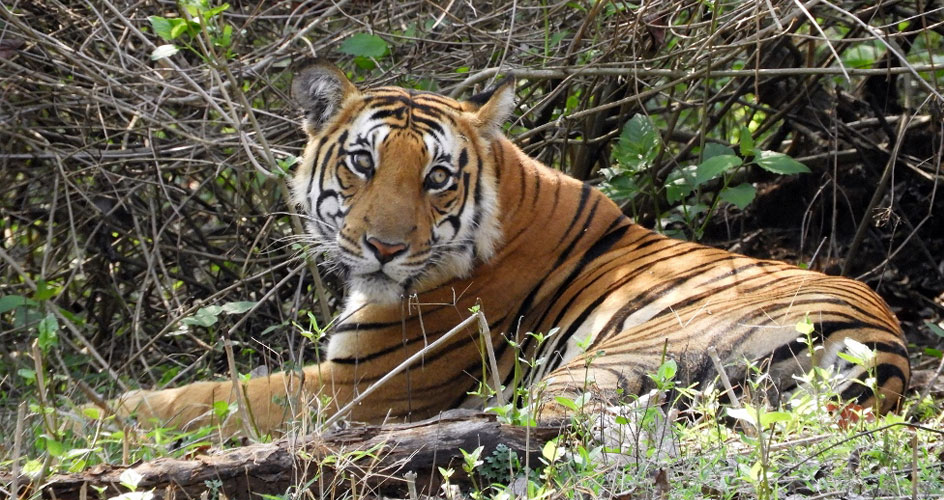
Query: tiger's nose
[{"x": 385, "y": 252}]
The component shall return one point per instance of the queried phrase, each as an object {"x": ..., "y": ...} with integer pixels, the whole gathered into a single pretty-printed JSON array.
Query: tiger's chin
[
  {"x": 379, "y": 288},
  {"x": 373, "y": 288}
]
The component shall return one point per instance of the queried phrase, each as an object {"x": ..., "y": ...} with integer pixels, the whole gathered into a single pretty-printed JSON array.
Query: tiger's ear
[
  {"x": 319, "y": 90},
  {"x": 492, "y": 107}
]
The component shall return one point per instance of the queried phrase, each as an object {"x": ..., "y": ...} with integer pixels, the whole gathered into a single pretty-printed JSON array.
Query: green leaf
[
  {"x": 566, "y": 402},
  {"x": 286, "y": 163},
  {"x": 713, "y": 149},
  {"x": 748, "y": 415},
  {"x": 638, "y": 144},
  {"x": 44, "y": 291},
  {"x": 130, "y": 479},
  {"x": 162, "y": 27},
  {"x": 746, "y": 142},
  {"x": 214, "y": 11},
  {"x": 740, "y": 196},
  {"x": 715, "y": 166},
  {"x": 779, "y": 163},
  {"x": 92, "y": 413},
  {"x": 771, "y": 417},
  {"x": 472, "y": 459},
  {"x": 205, "y": 316},
  {"x": 238, "y": 307},
  {"x": 11, "y": 302},
  {"x": 557, "y": 37},
  {"x": 805, "y": 326},
  {"x": 223, "y": 409},
  {"x": 77, "y": 452},
  {"x": 164, "y": 51},
  {"x": 48, "y": 329},
  {"x": 364, "y": 63},
  {"x": 32, "y": 468},
  {"x": 668, "y": 370},
  {"x": 226, "y": 39},
  {"x": 180, "y": 27},
  {"x": 446, "y": 473},
  {"x": 364, "y": 45},
  {"x": 54, "y": 447},
  {"x": 552, "y": 452},
  {"x": 859, "y": 353},
  {"x": 680, "y": 183},
  {"x": 935, "y": 329},
  {"x": 194, "y": 7}
]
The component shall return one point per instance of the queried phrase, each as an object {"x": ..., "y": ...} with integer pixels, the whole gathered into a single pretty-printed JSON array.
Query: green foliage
[
  {"x": 693, "y": 191},
  {"x": 208, "y": 316},
  {"x": 527, "y": 391},
  {"x": 364, "y": 45},
  {"x": 198, "y": 18},
  {"x": 760, "y": 456},
  {"x": 365, "y": 48}
]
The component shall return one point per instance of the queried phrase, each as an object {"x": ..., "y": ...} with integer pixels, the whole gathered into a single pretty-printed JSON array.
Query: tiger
[{"x": 429, "y": 212}]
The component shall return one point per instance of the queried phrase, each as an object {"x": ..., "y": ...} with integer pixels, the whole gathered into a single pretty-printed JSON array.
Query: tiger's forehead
[
  {"x": 424, "y": 112},
  {"x": 411, "y": 98},
  {"x": 393, "y": 112}
]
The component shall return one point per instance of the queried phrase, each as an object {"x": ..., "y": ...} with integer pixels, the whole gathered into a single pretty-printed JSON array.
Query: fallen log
[{"x": 373, "y": 460}]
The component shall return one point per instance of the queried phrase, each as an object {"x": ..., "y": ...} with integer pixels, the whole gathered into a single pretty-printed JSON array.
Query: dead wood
[{"x": 373, "y": 460}]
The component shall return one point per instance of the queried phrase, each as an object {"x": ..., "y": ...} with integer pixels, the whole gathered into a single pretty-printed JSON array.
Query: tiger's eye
[
  {"x": 362, "y": 161},
  {"x": 437, "y": 178}
]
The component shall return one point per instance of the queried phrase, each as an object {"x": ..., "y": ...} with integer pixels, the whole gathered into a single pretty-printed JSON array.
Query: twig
[
  {"x": 564, "y": 71},
  {"x": 486, "y": 336},
  {"x": 877, "y": 196},
  {"x": 242, "y": 403},
  {"x": 18, "y": 448}
]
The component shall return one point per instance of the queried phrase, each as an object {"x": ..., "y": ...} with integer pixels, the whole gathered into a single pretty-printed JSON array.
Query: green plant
[
  {"x": 526, "y": 392},
  {"x": 693, "y": 191},
  {"x": 366, "y": 49},
  {"x": 199, "y": 19},
  {"x": 471, "y": 461}
]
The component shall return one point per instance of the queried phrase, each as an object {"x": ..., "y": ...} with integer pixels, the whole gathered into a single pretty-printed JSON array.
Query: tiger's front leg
[{"x": 270, "y": 402}]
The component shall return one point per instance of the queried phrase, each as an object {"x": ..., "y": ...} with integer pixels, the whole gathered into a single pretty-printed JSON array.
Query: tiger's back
[{"x": 427, "y": 210}]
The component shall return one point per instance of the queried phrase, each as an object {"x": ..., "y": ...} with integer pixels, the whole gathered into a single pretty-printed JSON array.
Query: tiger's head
[{"x": 398, "y": 186}]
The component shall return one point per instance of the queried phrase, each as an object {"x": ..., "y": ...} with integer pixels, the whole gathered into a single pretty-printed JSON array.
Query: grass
[
  {"x": 804, "y": 449},
  {"x": 675, "y": 442}
]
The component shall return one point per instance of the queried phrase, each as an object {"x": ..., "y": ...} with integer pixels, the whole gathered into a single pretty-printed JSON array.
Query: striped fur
[{"x": 538, "y": 250}]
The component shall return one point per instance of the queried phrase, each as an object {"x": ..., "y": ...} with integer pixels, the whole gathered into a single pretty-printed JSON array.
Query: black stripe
[
  {"x": 383, "y": 114},
  {"x": 431, "y": 124},
  {"x": 581, "y": 204},
  {"x": 862, "y": 393},
  {"x": 354, "y": 326},
  {"x": 314, "y": 166}
]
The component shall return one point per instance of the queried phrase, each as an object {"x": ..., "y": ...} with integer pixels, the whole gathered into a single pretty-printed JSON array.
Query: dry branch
[{"x": 374, "y": 458}]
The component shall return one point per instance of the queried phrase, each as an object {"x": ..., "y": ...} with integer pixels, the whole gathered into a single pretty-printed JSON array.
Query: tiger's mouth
[{"x": 378, "y": 275}]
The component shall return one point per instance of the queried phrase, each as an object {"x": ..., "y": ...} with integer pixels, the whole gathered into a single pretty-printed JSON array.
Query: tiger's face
[{"x": 398, "y": 186}]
